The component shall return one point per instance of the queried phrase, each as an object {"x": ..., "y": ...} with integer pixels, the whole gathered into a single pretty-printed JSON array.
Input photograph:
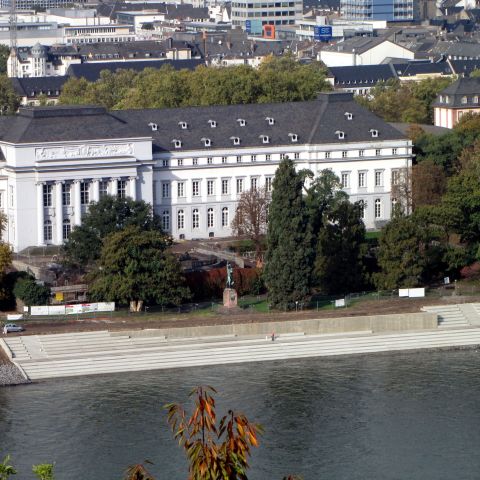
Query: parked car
[{"x": 12, "y": 327}]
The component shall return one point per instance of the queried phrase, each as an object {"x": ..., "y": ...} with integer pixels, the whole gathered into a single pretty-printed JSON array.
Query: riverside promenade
[{"x": 88, "y": 353}]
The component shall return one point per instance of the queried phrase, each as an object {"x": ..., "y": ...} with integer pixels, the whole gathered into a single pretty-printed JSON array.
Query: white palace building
[{"x": 190, "y": 163}]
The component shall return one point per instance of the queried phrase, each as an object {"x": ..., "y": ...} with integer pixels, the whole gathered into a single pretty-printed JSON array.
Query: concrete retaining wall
[
  {"x": 375, "y": 323},
  {"x": 6, "y": 349}
]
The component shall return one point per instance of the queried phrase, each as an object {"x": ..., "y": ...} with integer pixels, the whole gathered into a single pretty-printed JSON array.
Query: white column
[
  {"x": 95, "y": 190},
  {"x": 114, "y": 187},
  {"x": 40, "y": 214},
  {"x": 77, "y": 204},
  {"x": 58, "y": 213},
  {"x": 133, "y": 187}
]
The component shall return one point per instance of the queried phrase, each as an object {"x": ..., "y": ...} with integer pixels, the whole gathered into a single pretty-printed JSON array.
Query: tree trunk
[{"x": 136, "y": 305}]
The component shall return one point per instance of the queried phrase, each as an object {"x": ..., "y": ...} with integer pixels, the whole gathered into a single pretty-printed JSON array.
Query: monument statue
[
  {"x": 229, "y": 294},
  {"x": 230, "y": 281}
]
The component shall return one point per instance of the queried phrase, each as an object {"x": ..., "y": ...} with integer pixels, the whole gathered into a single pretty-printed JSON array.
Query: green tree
[
  {"x": 44, "y": 471},
  {"x": 4, "y": 54},
  {"x": 9, "y": 101},
  {"x": 403, "y": 253},
  {"x": 30, "y": 292},
  {"x": 108, "y": 215},
  {"x": 135, "y": 267},
  {"x": 216, "y": 449},
  {"x": 339, "y": 266},
  {"x": 287, "y": 269},
  {"x": 6, "y": 470}
]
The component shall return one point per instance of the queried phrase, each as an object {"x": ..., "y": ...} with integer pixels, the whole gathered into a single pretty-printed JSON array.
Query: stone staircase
[
  {"x": 450, "y": 316},
  {"x": 73, "y": 354}
]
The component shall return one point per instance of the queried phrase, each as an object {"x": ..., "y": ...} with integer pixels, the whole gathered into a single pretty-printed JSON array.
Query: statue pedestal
[{"x": 230, "y": 298}]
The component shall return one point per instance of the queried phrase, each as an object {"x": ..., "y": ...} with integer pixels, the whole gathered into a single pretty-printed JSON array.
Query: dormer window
[
  {"x": 265, "y": 138},
  {"x": 340, "y": 134},
  {"x": 374, "y": 132},
  {"x": 241, "y": 122},
  {"x": 153, "y": 126},
  {"x": 213, "y": 123},
  {"x": 441, "y": 98},
  {"x": 206, "y": 142},
  {"x": 270, "y": 120},
  {"x": 464, "y": 100},
  {"x": 475, "y": 99},
  {"x": 235, "y": 140},
  {"x": 293, "y": 137},
  {"x": 349, "y": 116},
  {"x": 177, "y": 143},
  {"x": 183, "y": 125}
]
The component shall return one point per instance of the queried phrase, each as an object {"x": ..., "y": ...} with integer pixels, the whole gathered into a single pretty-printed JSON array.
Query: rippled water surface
[{"x": 403, "y": 416}]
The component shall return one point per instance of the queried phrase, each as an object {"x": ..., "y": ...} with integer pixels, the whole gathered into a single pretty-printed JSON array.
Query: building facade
[
  {"x": 389, "y": 10},
  {"x": 191, "y": 164},
  {"x": 455, "y": 101}
]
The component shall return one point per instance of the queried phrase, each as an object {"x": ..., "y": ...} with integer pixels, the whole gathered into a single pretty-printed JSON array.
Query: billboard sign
[
  {"x": 248, "y": 26},
  {"x": 322, "y": 33}
]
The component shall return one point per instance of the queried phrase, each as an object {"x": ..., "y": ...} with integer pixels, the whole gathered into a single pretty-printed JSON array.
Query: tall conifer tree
[{"x": 287, "y": 269}]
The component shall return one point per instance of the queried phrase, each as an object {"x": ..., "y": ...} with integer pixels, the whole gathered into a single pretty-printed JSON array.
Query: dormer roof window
[
  {"x": 293, "y": 137},
  {"x": 340, "y": 134},
  {"x": 212, "y": 123},
  {"x": 206, "y": 142},
  {"x": 270, "y": 120},
  {"x": 464, "y": 100},
  {"x": 265, "y": 138},
  {"x": 183, "y": 125},
  {"x": 241, "y": 122},
  {"x": 235, "y": 140},
  {"x": 374, "y": 132},
  {"x": 153, "y": 126},
  {"x": 177, "y": 143},
  {"x": 349, "y": 116}
]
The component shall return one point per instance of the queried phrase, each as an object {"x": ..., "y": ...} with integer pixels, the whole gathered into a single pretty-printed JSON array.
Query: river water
[{"x": 388, "y": 417}]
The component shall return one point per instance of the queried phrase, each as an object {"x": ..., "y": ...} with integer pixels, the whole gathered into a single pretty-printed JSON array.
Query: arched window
[
  {"x": 224, "y": 217},
  {"x": 47, "y": 230},
  {"x": 210, "y": 218},
  {"x": 195, "y": 218},
  {"x": 166, "y": 220},
  {"x": 181, "y": 220},
  {"x": 67, "y": 228},
  {"x": 378, "y": 208}
]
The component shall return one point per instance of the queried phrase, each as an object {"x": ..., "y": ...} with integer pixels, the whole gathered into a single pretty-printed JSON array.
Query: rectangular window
[
  {"x": 47, "y": 195},
  {"x": 395, "y": 177},
  {"x": 283, "y": 156},
  {"x": 47, "y": 231},
  {"x": 180, "y": 189},
  {"x": 253, "y": 183},
  {"x": 253, "y": 158},
  {"x": 239, "y": 185},
  {"x": 344, "y": 154},
  {"x": 378, "y": 208},
  {"x": 180, "y": 162},
  {"x": 195, "y": 161},
  {"x": 225, "y": 217},
  {"x": 84, "y": 193},
  {"x": 378, "y": 152},
  {"x": 165, "y": 190},
  {"x": 268, "y": 157},
  {"x": 345, "y": 180},
  {"x": 296, "y": 155},
  {"x": 164, "y": 163},
  {"x": 239, "y": 159},
  {"x": 378, "y": 178},
  {"x": 224, "y": 159},
  {"x": 67, "y": 228},
  {"x": 66, "y": 194},
  {"x": 166, "y": 220},
  {"x": 103, "y": 189},
  {"x": 361, "y": 153},
  {"x": 210, "y": 218},
  {"x": 195, "y": 188},
  {"x": 121, "y": 188},
  {"x": 394, "y": 151},
  {"x": 210, "y": 187},
  {"x": 327, "y": 154},
  {"x": 225, "y": 187},
  {"x": 268, "y": 184},
  {"x": 362, "y": 180},
  {"x": 209, "y": 160}
]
